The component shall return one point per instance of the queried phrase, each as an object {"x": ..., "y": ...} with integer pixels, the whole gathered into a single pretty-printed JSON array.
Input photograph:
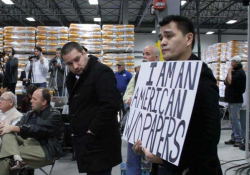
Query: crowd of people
[{"x": 34, "y": 136}]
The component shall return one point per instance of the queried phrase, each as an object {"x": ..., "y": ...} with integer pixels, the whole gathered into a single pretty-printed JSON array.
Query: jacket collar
[
  {"x": 122, "y": 72},
  {"x": 193, "y": 57},
  {"x": 92, "y": 60},
  {"x": 239, "y": 66},
  {"x": 43, "y": 111}
]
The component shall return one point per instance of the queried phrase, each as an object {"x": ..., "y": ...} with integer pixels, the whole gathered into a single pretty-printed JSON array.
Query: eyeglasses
[
  {"x": 119, "y": 65},
  {"x": 2, "y": 99}
]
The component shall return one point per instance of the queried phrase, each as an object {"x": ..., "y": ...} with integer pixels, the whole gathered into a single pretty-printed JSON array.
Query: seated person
[
  {"x": 35, "y": 140},
  {"x": 25, "y": 104},
  {"x": 9, "y": 114}
]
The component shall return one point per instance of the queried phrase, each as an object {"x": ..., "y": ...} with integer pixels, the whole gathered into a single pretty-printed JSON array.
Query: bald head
[{"x": 151, "y": 53}]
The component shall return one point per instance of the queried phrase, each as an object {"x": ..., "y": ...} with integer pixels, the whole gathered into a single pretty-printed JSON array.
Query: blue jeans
[
  {"x": 234, "y": 110},
  {"x": 104, "y": 172},
  {"x": 133, "y": 161},
  {"x": 40, "y": 85}
]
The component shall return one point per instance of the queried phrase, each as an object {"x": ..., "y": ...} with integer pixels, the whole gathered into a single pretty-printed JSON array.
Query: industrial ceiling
[{"x": 213, "y": 13}]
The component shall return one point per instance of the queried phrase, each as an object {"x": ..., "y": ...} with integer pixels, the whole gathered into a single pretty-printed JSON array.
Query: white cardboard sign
[{"x": 162, "y": 106}]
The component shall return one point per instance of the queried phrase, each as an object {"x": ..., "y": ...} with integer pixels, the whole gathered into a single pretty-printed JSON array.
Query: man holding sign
[{"x": 177, "y": 83}]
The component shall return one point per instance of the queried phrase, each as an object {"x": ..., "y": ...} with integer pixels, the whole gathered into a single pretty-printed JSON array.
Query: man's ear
[
  {"x": 157, "y": 58},
  {"x": 189, "y": 38},
  {"x": 44, "y": 102}
]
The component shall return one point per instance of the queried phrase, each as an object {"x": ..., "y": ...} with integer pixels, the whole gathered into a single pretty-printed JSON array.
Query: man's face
[
  {"x": 234, "y": 64},
  {"x": 5, "y": 103},
  {"x": 37, "y": 101},
  {"x": 76, "y": 61},
  {"x": 37, "y": 53},
  {"x": 120, "y": 68},
  {"x": 174, "y": 45},
  {"x": 148, "y": 53},
  {"x": 8, "y": 51},
  {"x": 58, "y": 54}
]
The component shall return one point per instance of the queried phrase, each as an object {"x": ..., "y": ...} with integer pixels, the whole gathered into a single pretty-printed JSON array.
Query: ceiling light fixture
[
  {"x": 30, "y": 19},
  {"x": 210, "y": 33},
  {"x": 93, "y": 2},
  {"x": 97, "y": 19},
  {"x": 9, "y": 2},
  {"x": 153, "y": 31},
  {"x": 183, "y": 2},
  {"x": 231, "y": 21}
]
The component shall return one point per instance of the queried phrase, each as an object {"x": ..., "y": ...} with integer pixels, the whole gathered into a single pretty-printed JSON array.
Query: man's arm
[
  {"x": 229, "y": 76},
  {"x": 109, "y": 99},
  {"x": 44, "y": 128},
  {"x": 6, "y": 128},
  {"x": 44, "y": 66},
  {"x": 129, "y": 91}
]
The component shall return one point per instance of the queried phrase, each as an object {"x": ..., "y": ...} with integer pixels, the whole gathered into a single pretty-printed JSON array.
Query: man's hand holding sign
[{"x": 161, "y": 109}]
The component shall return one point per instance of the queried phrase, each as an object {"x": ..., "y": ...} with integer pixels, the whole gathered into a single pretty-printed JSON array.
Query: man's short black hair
[
  {"x": 84, "y": 48},
  {"x": 58, "y": 49},
  {"x": 46, "y": 95},
  {"x": 38, "y": 48},
  {"x": 183, "y": 24},
  {"x": 68, "y": 47},
  {"x": 13, "y": 51}
]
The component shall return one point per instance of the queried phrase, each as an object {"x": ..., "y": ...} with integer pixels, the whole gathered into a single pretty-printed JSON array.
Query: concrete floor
[{"x": 65, "y": 166}]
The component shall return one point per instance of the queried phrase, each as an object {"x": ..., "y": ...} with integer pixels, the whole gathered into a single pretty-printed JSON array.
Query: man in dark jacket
[
  {"x": 94, "y": 102},
  {"x": 11, "y": 70},
  {"x": 56, "y": 69},
  {"x": 38, "y": 143},
  {"x": 235, "y": 87},
  {"x": 199, "y": 154}
]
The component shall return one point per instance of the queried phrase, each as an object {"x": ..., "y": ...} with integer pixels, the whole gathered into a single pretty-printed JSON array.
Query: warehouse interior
[{"x": 221, "y": 33}]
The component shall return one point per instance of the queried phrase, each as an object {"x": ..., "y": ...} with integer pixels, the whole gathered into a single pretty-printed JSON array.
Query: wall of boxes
[
  {"x": 110, "y": 44},
  {"x": 218, "y": 57}
]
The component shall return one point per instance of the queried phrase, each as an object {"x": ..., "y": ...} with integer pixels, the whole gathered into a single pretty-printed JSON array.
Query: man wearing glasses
[
  {"x": 123, "y": 77},
  {"x": 9, "y": 114}
]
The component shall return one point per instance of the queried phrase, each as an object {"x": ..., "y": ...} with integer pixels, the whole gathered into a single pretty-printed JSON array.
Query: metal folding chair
[{"x": 27, "y": 167}]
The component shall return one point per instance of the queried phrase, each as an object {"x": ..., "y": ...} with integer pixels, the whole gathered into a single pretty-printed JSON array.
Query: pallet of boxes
[
  {"x": 22, "y": 39},
  {"x": 118, "y": 45},
  {"x": 87, "y": 35},
  {"x": 50, "y": 38}
]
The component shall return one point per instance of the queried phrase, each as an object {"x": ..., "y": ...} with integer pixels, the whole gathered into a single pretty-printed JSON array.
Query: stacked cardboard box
[
  {"x": 87, "y": 35},
  {"x": 117, "y": 39}
]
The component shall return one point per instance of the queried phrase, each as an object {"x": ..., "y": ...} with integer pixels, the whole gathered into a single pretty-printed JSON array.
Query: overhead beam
[
  {"x": 143, "y": 11},
  {"x": 52, "y": 6},
  {"x": 6, "y": 12},
  {"x": 120, "y": 13},
  {"x": 35, "y": 5},
  {"x": 125, "y": 12},
  {"x": 233, "y": 26},
  {"x": 99, "y": 13},
  {"x": 204, "y": 8},
  {"x": 77, "y": 10},
  {"x": 233, "y": 16},
  {"x": 218, "y": 12},
  {"x": 19, "y": 6},
  {"x": 186, "y": 4}
]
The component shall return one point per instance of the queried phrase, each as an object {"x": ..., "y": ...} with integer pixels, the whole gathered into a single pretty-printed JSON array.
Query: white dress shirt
[{"x": 39, "y": 70}]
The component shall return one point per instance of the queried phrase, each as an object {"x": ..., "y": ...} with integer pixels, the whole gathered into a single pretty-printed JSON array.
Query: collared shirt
[
  {"x": 123, "y": 79},
  {"x": 4, "y": 116},
  {"x": 39, "y": 70}
]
